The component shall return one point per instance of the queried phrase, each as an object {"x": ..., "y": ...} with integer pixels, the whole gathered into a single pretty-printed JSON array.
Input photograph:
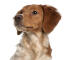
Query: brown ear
[
  {"x": 19, "y": 32},
  {"x": 51, "y": 18}
]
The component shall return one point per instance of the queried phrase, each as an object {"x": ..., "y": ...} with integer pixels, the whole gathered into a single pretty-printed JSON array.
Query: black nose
[{"x": 18, "y": 18}]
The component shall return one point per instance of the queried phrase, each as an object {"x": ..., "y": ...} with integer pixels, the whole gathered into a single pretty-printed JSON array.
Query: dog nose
[{"x": 18, "y": 18}]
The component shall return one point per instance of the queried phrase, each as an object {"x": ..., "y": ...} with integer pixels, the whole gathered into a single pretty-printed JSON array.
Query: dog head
[{"x": 36, "y": 18}]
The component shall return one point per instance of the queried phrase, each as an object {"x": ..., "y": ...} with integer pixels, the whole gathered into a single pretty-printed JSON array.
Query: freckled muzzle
[{"x": 17, "y": 19}]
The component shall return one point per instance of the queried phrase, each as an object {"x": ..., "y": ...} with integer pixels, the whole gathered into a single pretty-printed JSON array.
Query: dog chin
[{"x": 20, "y": 28}]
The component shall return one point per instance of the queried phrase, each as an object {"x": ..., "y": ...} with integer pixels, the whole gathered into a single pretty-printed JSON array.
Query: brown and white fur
[{"x": 35, "y": 21}]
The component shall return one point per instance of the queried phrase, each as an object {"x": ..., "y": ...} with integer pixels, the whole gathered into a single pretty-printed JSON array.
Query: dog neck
[
  {"x": 37, "y": 41},
  {"x": 36, "y": 38},
  {"x": 34, "y": 34}
]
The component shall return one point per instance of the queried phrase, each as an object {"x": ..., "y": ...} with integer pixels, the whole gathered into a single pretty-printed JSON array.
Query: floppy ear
[
  {"x": 50, "y": 19},
  {"x": 19, "y": 32}
]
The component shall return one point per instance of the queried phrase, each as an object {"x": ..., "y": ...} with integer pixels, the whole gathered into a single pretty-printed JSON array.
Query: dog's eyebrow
[{"x": 20, "y": 12}]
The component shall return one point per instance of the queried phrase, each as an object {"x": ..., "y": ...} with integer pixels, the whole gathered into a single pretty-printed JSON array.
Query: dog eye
[{"x": 34, "y": 12}]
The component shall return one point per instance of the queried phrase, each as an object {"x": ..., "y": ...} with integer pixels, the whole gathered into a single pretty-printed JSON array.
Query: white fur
[{"x": 24, "y": 52}]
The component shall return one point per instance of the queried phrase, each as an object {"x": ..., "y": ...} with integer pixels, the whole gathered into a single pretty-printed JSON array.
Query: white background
[{"x": 9, "y": 38}]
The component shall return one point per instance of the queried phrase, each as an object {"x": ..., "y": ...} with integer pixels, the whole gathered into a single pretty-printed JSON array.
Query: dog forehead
[{"x": 32, "y": 7}]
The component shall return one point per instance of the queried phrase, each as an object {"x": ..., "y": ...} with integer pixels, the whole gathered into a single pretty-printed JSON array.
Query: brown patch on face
[
  {"x": 51, "y": 18},
  {"x": 32, "y": 18}
]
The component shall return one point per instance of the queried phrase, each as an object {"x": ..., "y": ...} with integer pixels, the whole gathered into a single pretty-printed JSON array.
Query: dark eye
[{"x": 34, "y": 12}]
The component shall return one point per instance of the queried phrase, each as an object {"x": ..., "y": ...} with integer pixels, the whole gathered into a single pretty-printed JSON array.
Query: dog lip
[
  {"x": 16, "y": 24},
  {"x": 27, "y": 26},
  {"x": 21, "y": 25}
]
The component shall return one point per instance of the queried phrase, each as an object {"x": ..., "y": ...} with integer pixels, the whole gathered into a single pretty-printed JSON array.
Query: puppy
[{"x": 36, "y": 22}]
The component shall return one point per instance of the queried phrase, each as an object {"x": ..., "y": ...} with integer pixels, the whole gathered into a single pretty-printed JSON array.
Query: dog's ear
[
  {"x": 19, "y": 32},
  {"x": 50, "y": 18}
]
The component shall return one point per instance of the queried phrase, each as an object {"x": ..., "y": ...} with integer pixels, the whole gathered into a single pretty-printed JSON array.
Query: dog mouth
[
  {"x": 23, "y": 26},
  {"x": 27, "y": 26}
]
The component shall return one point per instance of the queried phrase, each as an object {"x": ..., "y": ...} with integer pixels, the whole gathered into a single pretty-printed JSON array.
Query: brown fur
[
  {"x": 35, "y": 44},
  {"x": 49, "y": 51},
  {"x": 51, "y": 18}
]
